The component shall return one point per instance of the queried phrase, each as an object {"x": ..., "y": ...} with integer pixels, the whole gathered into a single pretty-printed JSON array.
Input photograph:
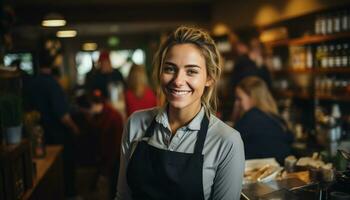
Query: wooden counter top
[{"x": 43, "y": 165}]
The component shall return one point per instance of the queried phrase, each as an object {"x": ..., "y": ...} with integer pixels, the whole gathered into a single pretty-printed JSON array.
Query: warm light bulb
[
  {"x": 53, "y": 22},
  {"x": 89, "y": 46},
  {"x": 66, "y": 33}
]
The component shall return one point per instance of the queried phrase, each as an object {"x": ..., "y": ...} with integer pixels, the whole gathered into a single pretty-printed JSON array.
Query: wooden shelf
[
  {"x": 6, "y": 72},
  {"x": 292, "y": 94},
  {"x": 292, "y": 71},
  {"x": 310, "y": 39},
  {"x": 333, "y": 97},
  {"x": 335, "y": 70},
  {"x": 304, "y": 95}
]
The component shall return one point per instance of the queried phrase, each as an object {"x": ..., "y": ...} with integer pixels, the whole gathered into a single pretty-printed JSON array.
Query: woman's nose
[{"x": 179, "y": 78}]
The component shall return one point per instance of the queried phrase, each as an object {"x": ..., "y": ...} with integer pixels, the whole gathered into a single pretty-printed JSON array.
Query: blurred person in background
[
  {"x": 138, "y": 94},
  {"x": 258, "y": 55},
  {"x": 243, "y": 67},
  {"x": 47, "y": 96},
  {"x": 104, "y": 76},
  {"x": 182, "y": 150},
  {"x": 108, "y": 124},
  {"x": 263, "y": 131}
]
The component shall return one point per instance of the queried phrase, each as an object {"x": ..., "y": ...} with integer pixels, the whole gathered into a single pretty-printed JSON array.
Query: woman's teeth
[{"x": 179, "y": 92}]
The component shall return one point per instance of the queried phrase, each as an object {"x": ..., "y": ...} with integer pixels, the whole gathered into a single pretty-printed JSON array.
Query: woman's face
[
  {"x": 243, "y": 101},
  {"x": 184, "y": 77}
]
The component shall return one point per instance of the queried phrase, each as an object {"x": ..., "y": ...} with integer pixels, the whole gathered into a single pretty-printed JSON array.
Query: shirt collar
[{"x": 194, "y": 125}]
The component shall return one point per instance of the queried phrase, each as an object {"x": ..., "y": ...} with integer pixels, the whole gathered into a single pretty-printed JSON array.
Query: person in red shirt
[{"x": 138, "y": 94}]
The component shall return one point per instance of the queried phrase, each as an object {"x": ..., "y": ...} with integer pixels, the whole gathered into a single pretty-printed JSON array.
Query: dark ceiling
[
  {"x": 97, "y": 19},
  {"x": 114, "y": 11}
]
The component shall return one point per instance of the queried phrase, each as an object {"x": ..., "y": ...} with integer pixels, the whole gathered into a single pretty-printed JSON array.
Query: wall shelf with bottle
[
  {"x": 342, "y": 70},
  {"x": 308, "y": 39},
  {"x": 310, "y": 65},
  {"x": 292, "y": 94},
  {"x": 307, "y": 96}
]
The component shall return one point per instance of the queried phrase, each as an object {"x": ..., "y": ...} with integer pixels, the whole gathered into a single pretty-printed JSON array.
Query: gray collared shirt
[{"x": 223, "y": 151}]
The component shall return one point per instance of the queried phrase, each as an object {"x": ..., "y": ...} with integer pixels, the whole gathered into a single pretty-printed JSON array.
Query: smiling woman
[{"x": 182, "y": 150}]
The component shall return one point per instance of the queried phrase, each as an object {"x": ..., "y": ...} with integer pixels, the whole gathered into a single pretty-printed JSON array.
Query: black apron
[{"x": 159, "y": 174}]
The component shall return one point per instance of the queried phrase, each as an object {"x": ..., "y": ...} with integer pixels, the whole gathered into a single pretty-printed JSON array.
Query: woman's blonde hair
[
  {"x": 137, "y": 80},
  {"x": 257, "y": 89},
  {"x": 202, "y": 40}
]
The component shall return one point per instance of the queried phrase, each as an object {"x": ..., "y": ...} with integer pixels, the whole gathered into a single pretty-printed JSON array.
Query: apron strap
[
  {"x": 150, "y": 129},
  {"x": 201, "y": 135}
]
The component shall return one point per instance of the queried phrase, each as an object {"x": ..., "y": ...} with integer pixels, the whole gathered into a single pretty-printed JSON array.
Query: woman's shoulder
[
  {"x": 144, "y": 114},
  {"x": 218, "y": 130},
  {"x": 139, "y": 121},
  {"x": 253, "y": 115}
]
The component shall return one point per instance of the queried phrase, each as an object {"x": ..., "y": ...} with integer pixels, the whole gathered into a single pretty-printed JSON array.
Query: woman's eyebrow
[
  {"x": 186, "y": 66},
  {"x": 169, "y": 63},
  {"x": 192, "y": 66}
]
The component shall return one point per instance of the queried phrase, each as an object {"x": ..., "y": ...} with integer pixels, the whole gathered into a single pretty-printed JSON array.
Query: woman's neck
[{"x": 180, "y": 117}]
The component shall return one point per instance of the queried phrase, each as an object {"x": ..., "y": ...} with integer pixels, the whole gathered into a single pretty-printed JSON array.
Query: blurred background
[{"x": 68, "y": 72}]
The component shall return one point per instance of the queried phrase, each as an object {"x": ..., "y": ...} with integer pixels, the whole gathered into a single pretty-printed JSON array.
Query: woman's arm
[
  {"x": 123, "y": 191},
  {"x": 229, "y": 175}
]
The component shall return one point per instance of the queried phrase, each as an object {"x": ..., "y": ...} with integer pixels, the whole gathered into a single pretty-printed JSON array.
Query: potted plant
[{"x": 11, "y": 117}]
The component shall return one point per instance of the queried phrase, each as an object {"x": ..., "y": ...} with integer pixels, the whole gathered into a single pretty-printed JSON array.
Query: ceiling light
[
  {"x": 66, "y": 33},
  {"x": 89, "y": 46},
  {"x": 53, "y": 20}
]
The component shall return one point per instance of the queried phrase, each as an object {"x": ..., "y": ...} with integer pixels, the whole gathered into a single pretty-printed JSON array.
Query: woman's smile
[{"x": 178, "y": 92}]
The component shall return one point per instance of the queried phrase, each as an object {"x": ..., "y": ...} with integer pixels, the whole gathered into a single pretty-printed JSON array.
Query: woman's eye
[
  {"x": 192, "y": 72},
  {"x": 169, "y": 69}
]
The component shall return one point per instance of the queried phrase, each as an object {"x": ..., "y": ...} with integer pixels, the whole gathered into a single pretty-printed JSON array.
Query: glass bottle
[
  {"x": 319, "y": 56},
  {"x": 345, "y": 21},
  {"x": 318, "y": 25},
  {"x": 309, "y": 57},
  {"x": 336, "y": 22},
  {"x": 38, "y": 143},
  {"x": 331, "y": 56},
  {"x": 344, "y": 55},
  {"x": 337, "y": 55},
  {"x": 323, "y": 25},
  {"x": 329, "y": 20},
  {"x": 324, "y": 59}
]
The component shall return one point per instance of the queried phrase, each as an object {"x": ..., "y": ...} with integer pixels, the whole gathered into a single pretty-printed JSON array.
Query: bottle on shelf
[
  {"x": 345, "y": 21},
  {"x": 318, "y": 56},
  {"x": 318, "y": 24},
  {"x": 323, "y": 25},
  {"x": 337, "y": 55},
  {"x": 336, "y": 22},
  {"x": 331, "y": 57},
  {"x": 345, "y": 55},
  {"x": 309, "y": 57},
  {"x": 329, "y": 23},
  {"x": 324, "y": 59},
  {"x": 334, "y": 133}
]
